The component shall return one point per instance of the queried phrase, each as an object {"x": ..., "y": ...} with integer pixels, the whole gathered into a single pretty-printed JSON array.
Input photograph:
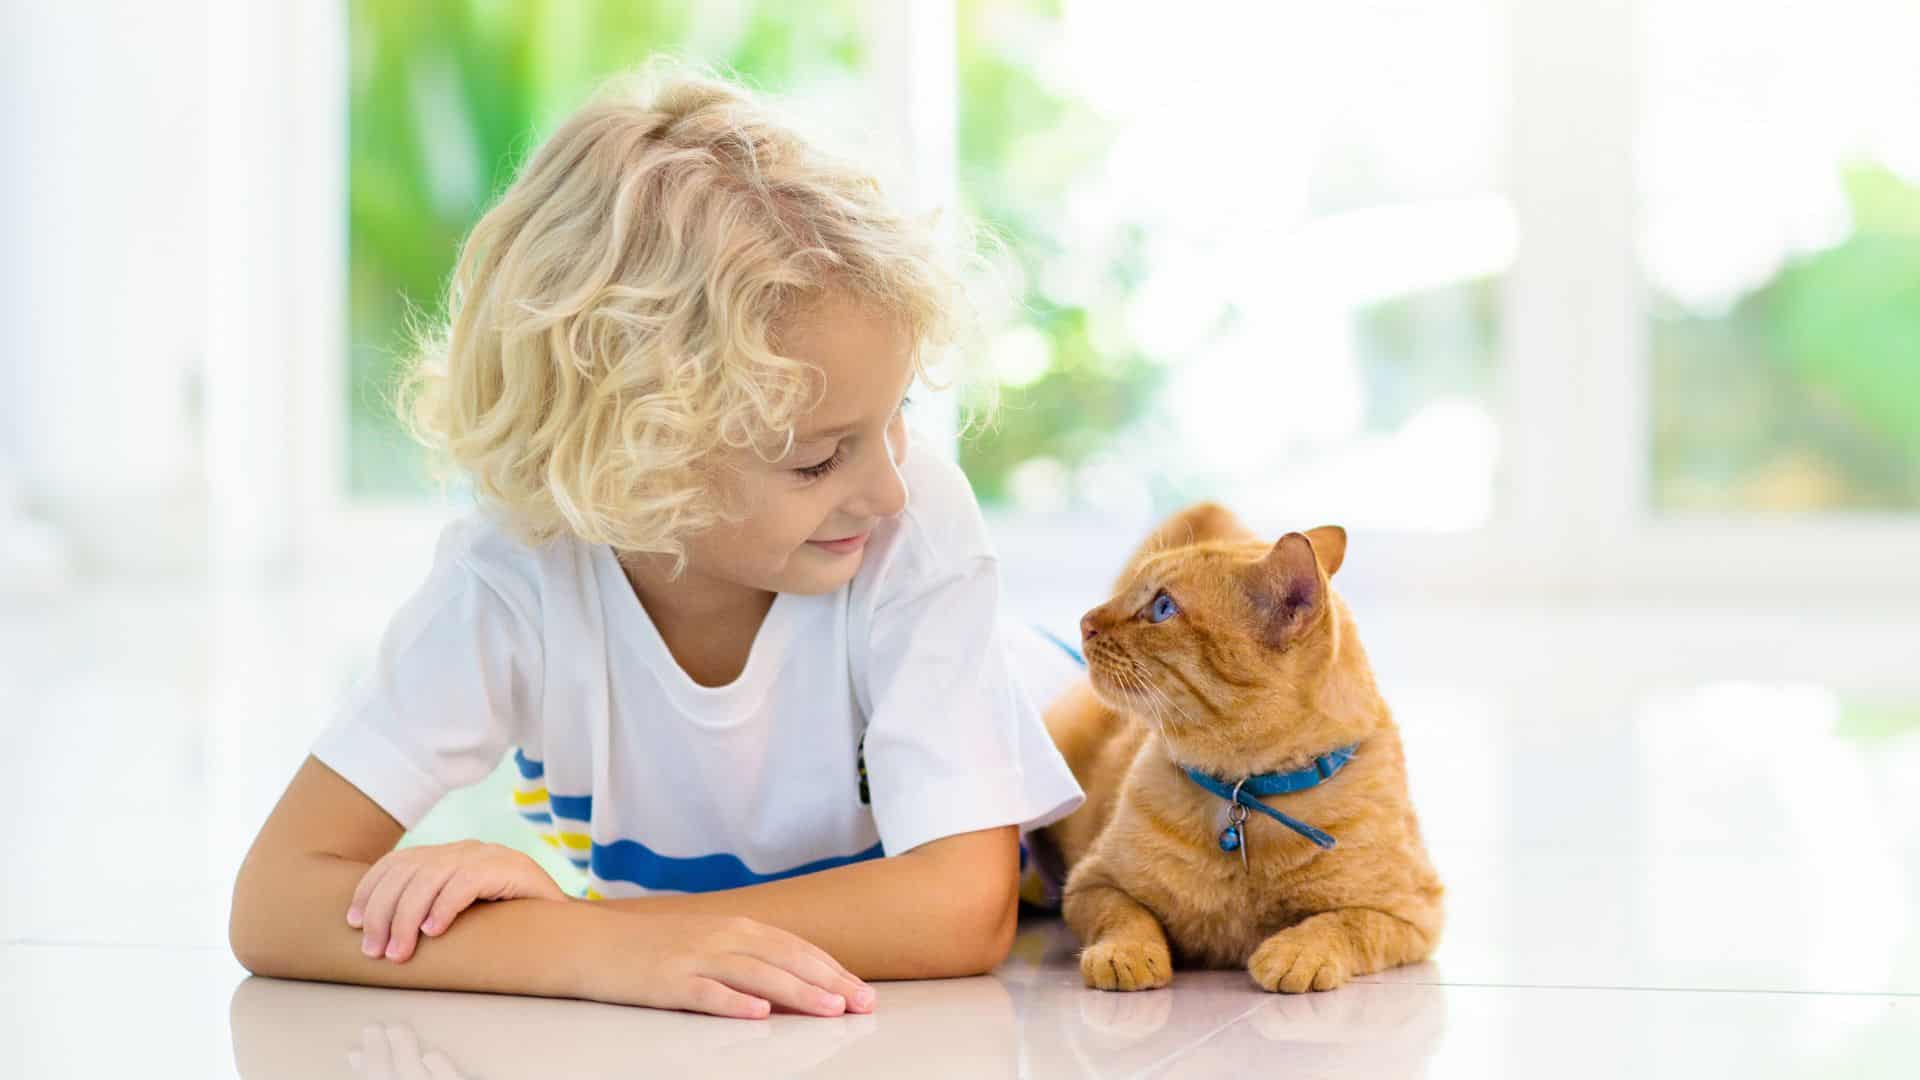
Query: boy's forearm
[
  {"x": 922, "y": 915},
  {"x": 289, "y": 921}
]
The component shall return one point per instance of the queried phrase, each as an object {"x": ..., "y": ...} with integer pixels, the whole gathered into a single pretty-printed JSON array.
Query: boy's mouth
[{"x": 844, "y": 544}]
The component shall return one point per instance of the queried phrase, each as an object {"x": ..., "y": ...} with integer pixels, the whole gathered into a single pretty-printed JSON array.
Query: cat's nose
[{"x": 1087, "y": 630}]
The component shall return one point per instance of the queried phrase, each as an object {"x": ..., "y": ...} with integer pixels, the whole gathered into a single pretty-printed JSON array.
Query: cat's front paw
[
  {"x": 1298, "y": 960},
  {"x": 1126, "y": 965}
]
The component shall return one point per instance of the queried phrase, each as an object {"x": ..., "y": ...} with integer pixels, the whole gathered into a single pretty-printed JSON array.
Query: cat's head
[{"x": 1225, "y": 646}]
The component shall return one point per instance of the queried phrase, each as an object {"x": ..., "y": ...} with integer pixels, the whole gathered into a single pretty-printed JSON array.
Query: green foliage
[
  {"x": 1022, "y": 146},
  {"x": 1806, "y": 395},
  {"x": 1427, "y": 344}
]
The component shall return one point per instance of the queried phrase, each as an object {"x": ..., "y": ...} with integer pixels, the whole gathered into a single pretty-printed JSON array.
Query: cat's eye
[{"x": 1162, "y": 608}]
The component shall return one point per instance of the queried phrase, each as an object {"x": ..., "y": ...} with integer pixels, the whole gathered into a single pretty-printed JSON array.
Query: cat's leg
[
  {"x": 1326, "y": 950},
  {"x": 1125, "y": 948}
]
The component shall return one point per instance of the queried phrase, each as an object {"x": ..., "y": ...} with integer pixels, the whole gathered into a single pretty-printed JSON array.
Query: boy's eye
[
  {"x": 1162, "y": 608},
  {"x": 815, "y": 472}
]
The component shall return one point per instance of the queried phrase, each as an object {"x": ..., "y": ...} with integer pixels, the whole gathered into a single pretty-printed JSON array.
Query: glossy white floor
[{"x": 1676, "y": 845}]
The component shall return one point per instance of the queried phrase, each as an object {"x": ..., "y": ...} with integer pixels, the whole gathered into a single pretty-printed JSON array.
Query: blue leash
[{"x": 1248, "y": 793}]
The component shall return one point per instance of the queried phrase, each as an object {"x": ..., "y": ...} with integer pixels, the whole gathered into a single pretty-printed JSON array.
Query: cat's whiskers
[
  {"x": 1162, "y": 694},
  {"x": 1137, "y": 688},
  {"x": 1168, "y": 699}
]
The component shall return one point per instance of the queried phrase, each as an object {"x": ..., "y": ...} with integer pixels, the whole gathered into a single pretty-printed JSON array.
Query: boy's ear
[
  {"x": 1330, "y": 544},
  {"x": 1288, "y": 589}
]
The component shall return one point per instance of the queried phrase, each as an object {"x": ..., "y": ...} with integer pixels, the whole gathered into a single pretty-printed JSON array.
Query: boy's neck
[{"x": 708, "y": 624}]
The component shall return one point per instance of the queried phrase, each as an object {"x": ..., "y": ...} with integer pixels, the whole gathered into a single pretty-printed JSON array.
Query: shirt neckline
[{"x": 705, "y": 706}]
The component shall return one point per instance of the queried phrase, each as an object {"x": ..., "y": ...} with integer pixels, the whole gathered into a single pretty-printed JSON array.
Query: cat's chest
[{"x": 1217, "y": 905}]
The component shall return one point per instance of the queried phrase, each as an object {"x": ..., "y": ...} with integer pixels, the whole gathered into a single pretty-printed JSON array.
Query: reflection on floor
[{"x": 1675, "y": 844}]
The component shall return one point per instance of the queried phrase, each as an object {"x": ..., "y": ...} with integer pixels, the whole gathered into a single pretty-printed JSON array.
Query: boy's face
[{"x": 808, "y": 515}]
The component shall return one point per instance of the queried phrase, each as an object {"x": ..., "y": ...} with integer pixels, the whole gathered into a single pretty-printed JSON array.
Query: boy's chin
[{"x": 813, "y": 572}]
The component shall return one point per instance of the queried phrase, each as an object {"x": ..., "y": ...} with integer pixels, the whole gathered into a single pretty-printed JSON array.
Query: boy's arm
[
  {"x": 291, "y": 895},
  {"x": 944, "y": 909},
  {"x": 289, "y": 920}
]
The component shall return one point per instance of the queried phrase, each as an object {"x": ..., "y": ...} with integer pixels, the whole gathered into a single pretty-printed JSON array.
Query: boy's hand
[
  {"x": 417, "y": 890},
  {"x": 726, "y": 965}
]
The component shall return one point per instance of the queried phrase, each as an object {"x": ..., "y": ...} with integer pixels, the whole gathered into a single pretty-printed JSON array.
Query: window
[
  {"x": 1260, "y": 263},
  {"x": 1780, "y": 176}
]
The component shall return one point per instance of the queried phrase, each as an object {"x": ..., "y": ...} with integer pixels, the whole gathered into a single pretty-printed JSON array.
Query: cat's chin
[
  {"x": 1113, "y": 695},
  {"x": 1134, "y": 704}
]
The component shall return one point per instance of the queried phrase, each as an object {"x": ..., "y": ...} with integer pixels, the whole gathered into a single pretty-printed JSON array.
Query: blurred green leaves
[
  {"x": 1806, "y": 394},
  {"x": 1023, "y": 143}
]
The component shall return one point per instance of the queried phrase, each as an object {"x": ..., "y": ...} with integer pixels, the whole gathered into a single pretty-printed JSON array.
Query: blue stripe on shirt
[
  {"x": 632, "y": 861},
  {"x": 629, "y": 860},
  {"x": 572, "y": 807}
]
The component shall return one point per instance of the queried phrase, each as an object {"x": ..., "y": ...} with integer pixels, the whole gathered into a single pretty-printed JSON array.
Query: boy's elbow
[
  {"x": 250, "y": 946},
  {"x": 257, "y": 940},
  {"x": 977, "y": 878},
  {"x": 997, "y": 943},
  {"x": 988, "y": 921}
]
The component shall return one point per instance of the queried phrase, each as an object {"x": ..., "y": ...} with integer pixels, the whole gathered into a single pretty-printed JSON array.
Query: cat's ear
[
  {"x": 1330, "y": 544},
  {"x": 1288, "y": 588}
]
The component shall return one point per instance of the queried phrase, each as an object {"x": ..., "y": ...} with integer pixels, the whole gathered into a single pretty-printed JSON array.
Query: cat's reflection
[
  {"x": 1206, "y": 1019},
  {"x": 297, "y": 1029}
]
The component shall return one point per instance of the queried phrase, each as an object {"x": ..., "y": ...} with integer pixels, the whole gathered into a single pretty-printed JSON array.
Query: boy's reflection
[{"x": 960, "y": 1027}]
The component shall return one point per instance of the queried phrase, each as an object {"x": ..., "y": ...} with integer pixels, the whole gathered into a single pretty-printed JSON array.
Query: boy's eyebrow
[
  {"x": 847, "y": 428},
  {"x": 833, "y": 432},
  {"x": 828, "y": 433}
]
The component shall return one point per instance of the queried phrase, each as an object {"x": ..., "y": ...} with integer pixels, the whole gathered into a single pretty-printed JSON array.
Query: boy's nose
[
  {"x": 888, "y": 494},
  {"x": 893, "y": 493},
  {"x": 884, "y": 491}
]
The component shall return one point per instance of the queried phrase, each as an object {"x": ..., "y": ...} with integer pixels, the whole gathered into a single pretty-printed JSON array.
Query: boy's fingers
[
  {"x": 717, "y": 999},
  {"x": 414, "y": 903},
  {"x": 357, "y": 907},
  {"x": 817, "y": 965},
  {"x": 379, "y": 910},
  {"x": 823, "y": 973},
  {"x": 456, "y": 896},
  {"x": 755, "y": 976}
]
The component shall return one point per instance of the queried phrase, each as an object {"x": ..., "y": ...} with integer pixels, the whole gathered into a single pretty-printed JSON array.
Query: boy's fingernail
[
  {"x": 353, "y": 917},
  {"x": 393, "y": 950},
  {"x": 863, "y": 997},
  {"x": 367, "y": 946},
  {"x": 429, "y": 925}
]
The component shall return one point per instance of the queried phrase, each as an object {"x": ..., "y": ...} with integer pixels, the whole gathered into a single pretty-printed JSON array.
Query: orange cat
[{"x": 1223, "y": 661}]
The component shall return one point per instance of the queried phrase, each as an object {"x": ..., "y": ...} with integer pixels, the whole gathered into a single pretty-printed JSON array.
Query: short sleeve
[
  {"x": 452, "y": 686},
  {"x": 954, "y": 743}
]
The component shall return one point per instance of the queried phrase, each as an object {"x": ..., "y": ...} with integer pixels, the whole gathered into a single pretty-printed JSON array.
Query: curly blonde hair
[{"x": 611, "y": 321}]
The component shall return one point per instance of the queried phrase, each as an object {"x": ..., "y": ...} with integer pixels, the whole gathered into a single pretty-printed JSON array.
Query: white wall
[{"x": 102, "y": 282}]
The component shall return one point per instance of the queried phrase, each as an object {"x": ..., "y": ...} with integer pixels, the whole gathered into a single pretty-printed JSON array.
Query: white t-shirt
[{"x": 652, "y": 782}]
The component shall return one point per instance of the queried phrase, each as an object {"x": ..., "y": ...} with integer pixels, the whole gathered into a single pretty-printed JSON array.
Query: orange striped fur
[{"x": 1260, "y": 671}]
